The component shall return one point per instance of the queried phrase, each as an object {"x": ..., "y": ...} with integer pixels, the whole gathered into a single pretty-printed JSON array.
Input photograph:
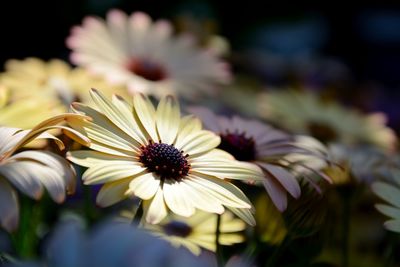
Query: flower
[
  {"x": 54, "y": 81},
  {"x": 26, "y": 112},
  {"x": 144, "y": 55},
  {"x": 303, "y": 112},
  {"x": 280, "y": 156},
  {"x": 29, "y": 171},
  {"x": 197, "y": 231},
  {"x": 156, "y": 155},
  {"x": 111, "y": 244},
  {"x": 390, "y": 192}
]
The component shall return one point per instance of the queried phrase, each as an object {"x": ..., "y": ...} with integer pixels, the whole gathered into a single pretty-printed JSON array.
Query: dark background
[{"x": 366, "y": 39}]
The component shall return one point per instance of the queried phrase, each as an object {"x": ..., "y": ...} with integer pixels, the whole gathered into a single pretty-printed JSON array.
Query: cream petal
[
  {"x": 188, "y": 125},
  {"x": 9, "y": 138},
  {"x": 215, "y": 154},
  {"x": 64, "y": 170},
  {"x": 24, "y": 176},
  {"x": 113, "y": 192},
  {"x": 9, "y": 211},
  {"x": 244, "y": 214},
  {"x": 277, "y": 193},
  {"x": 115, "y": 138},
  {"x": 111, "y": 171},
  {"x": 228, "y": 169},
  {"x": 176, "y": 198},
  {"x": 144, "y": 186},
  {"x": 104, "y": 122},
  {"x": 147, "y": 115},
  {"x": 202, "y": 199},
  {"x": 168, "y": 119},
  {"x": 119, "y": 117},
  {"x": 387, "y": 192},
  {"x": 155, "y": 210},
  {"x": 89, "y": 158},
  {"x": 127, "y": 110},
  {"x": 209, "y": 119},
  {"x": 199, "y": 142},
  {"x": 53, "y": 182},
  {"x": 225, "y": 192},
  {"x": 190, "y": 246}
]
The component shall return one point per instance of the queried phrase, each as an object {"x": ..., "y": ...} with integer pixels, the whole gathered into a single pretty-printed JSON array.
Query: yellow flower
[
  {"x": 55, "y": 81},
  {"x": 26, "y": 112},
  {"x": 30, "y": 171},
  {"x": 198, "y": 230},
  {"x": 156, "y": 155},
  {"x": 135, "y": 51},
  {"x": 303, "y": 112}
]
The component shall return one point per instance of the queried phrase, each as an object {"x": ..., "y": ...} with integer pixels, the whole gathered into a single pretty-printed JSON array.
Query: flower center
[
  {"x": 147, "y": 69},
  {"x": 165, "y": 160},
  {"x": 240, "y": 146},
  {"x": 177, "y": 228},
  {"x": 322, "y": 132}
]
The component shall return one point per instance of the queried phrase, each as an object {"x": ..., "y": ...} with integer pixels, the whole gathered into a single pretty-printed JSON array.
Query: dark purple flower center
[
  {"x": 177, "y": 228},
  {"x": 148, "y": 69},
  {"x": 322, "y": 132},
  {"x": 165, "y": 160},
  {"x": 240, "y": 146}
]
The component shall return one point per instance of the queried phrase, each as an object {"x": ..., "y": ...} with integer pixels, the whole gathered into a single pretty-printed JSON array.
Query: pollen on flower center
[
  {"x": 165, "y": 160},
  {"x": 177, "y": 228},
  {"x": 147, "y": 69},
  {"x": 237, "y": 144}
]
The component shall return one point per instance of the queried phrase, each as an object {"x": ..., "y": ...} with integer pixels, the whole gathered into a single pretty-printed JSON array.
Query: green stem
[
  {"x": 218, "y": 251},
  {"x": 25, "y": 240},
  {"x": 136, "y": 211},
  {"x": 345, "y": 231},
  {"x": 272, "y": 261}
]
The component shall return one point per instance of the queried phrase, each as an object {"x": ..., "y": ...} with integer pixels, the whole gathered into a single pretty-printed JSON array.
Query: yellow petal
[
  {"x": 168, "y": 119},
  {"x": 144, "y": 186}
]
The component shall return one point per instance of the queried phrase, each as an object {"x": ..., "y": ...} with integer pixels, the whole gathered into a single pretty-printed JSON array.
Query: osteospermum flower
[
  {"x": 156, "y": 155},
  {"x": 198, "y": 231},
  {"x": 281, "y": 156},
  {"x": 110, "y": 244},
  {"x": 26, "y": 112},
  {"x": 31, "y": 171},
  {"x": 390, "y": 192},
  {"x": 54, "y": 80},
  {"x": 304, "y": 112},
  {"x": 143, "y": 54}
]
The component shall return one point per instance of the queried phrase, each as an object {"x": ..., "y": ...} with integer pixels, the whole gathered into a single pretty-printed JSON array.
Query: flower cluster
[{"x": 134, "y": 124}]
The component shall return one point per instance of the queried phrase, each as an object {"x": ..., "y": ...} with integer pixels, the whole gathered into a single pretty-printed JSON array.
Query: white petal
[{"x": 144, "y": 186}]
